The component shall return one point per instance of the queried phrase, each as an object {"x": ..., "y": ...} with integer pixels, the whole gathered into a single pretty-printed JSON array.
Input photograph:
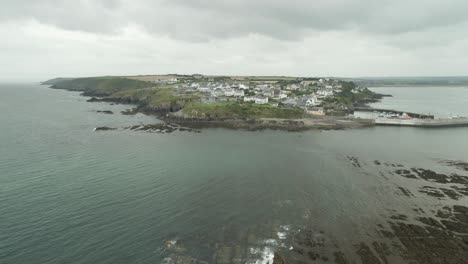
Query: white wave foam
[
  {"x": 282, "y": 234},
  {"x": 266, "y": 255}
]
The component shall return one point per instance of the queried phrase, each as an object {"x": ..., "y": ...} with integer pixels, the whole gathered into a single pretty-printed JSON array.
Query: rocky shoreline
[
  {"x": 291, "y": 125},
  {"x": 160, "y": 128},
  {"x": 431, "y": 233}
]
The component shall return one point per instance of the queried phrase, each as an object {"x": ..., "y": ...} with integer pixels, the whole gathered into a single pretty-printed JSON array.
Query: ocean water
[
  {"x": 442, "y": 102},
  {"x": 71, "y": 195}
]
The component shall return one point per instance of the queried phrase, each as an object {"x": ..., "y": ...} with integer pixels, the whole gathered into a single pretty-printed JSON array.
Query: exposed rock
[
  {"x": 451, "y": 193},
  {"x": 105, "y": 112},
  {"x": 104, "y": 128},
  {"x": 432, "y": 176},
  {"x": 366, "y": 254},
  {"x": 160, "y": 128},
  {"x": 278, "y": 259},
  {"x": 457, "y": 163},
  {"x": 181, "y": 259},
  {"x": 340, "y": 258},
  {"x": 131, "y": 111},
  {"x": 406, "y": 174},
  {"x": 431, "y": 191},
  {"x": 405, "y": 191},
  {"x": 94, "y": 99},
  {"x": 429, "y": 244},
  {"x": 399, "y": 217},
  {"x": 354, "y": 161}
]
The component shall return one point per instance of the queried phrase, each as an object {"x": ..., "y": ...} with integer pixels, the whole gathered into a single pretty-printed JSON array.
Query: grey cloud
[
  {"x": 48, "y": 38},
  {"x": 203, "y": 20}
]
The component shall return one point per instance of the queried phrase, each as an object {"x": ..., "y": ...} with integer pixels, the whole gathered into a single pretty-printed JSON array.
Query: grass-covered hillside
[
  {"x": 98, "y": 86},
  {"x": 163, "y": 98},
  {"x": 240, "y": 110},
  {"x": 350, "y": 96}
]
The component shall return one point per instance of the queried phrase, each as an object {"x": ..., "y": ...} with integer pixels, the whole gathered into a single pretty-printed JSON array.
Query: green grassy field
[
  {"x": 102, "y": 86},
  {"x": 240, "y": 110}
]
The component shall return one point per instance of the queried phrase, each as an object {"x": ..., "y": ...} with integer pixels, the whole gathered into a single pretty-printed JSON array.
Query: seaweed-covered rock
[
  {"x": 278, "y": 259},
  {"x": 105, "y": 112},
  {"x": 104, "y": 128}
]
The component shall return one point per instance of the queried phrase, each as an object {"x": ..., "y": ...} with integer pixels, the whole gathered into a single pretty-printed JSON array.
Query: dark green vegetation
[
  {"x": 349, "y": 97},
  {"x": 162, "y": 99},
  {"x": 150, "y": 97},
  {"x": 156, "y": 99},
  {"x": 307, "y": 91},
  {"x": 98, "y": 86},
  {"x": 240, "y": 110}
]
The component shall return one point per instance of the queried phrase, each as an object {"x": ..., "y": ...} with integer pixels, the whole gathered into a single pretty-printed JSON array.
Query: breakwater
[
  {"x": 422, "y": 122},
  {"x": 391, "y": 111}
]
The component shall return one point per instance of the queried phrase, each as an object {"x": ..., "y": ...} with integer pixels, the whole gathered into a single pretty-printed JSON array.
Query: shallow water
[{"x": 71, "y": 195}]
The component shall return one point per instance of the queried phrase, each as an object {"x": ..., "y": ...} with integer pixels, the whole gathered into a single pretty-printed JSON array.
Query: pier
[
  {"x": 422, "y": 122},
  {"x": 413, "y": 115}
]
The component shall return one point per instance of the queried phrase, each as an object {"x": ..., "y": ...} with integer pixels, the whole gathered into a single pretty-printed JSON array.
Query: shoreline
[
  {"x": 172, "y": 111},
  {"x": 255, "y": 124},
  {"x": 250, "y": 124},
  {"x": 290, "y": 125}
]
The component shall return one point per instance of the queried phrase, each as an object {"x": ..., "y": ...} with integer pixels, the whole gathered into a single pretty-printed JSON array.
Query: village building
[
  {"x": 292, "y": 87},
  {"x": 261, "y": 100},
  {"x": 268, "y": 93},
  {"x": 204, "y": 89},
  {"x": 324, "y": 93},
  {"x": 229, "y": 92},
  {"x": 239, "y": 93},
  {"x": 249, "y": 99},
  {"x": 243, "y": 86}
]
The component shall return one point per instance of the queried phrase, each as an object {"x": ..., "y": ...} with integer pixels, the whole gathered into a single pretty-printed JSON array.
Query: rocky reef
[{"x": 161, "y": 128}]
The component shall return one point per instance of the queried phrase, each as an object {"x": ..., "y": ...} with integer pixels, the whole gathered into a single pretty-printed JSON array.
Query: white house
[
  {"x": 261, "y": 100},
  {"x": 292, "y": 87},
  {"x": 243, "y": 86},
  {"x": 204, "y": 89},
  {"x": 324, "y": 93},
  {"x": 306, "y": 83},
  {"x": 282, "y": 96},
  {"x": 268, "y": 93},
  {"x": 217, "y": 93},
  {"x": 249, "y": 99},
  {"x": 229, "y": 92},
  {"x": 239, "y": 93},
  {"x": 172, "y": 80},
  {"x": 311, "y": 101}
]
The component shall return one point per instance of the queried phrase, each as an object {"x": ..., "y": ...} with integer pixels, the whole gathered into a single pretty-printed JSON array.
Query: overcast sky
[{"x": 42, "y": 39}]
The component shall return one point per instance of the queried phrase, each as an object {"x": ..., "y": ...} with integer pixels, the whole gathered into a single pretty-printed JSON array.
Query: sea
[{"x": 69, "y": 194}]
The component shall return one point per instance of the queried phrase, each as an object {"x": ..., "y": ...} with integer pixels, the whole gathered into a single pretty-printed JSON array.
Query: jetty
[
  {"x": 395, "y": 112},
  {"x": 449, "y": 122}
]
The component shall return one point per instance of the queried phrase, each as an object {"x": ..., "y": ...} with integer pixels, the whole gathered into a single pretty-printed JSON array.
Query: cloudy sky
[{"x": 47, "y": 38}]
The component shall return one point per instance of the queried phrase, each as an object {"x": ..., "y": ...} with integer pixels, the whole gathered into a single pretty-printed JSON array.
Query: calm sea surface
[
  {"x": 441, "y": 102},
  {"x": 71, "y": 195}
]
